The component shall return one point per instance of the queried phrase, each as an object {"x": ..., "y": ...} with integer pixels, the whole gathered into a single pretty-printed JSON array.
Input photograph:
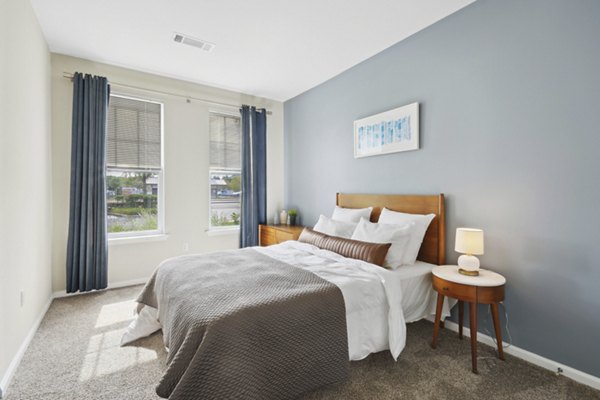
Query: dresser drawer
[
  {"x": 274, "y": 234},
  {"x": 283, "y": 236},
  {"x": 455, "y": 290}
]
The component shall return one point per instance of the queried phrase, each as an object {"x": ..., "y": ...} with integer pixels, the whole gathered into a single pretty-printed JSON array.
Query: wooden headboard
[{"x": 433, "y": 249}]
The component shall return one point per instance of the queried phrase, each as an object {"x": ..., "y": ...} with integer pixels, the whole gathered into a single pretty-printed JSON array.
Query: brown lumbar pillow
[{"x": 373, "y": 253}]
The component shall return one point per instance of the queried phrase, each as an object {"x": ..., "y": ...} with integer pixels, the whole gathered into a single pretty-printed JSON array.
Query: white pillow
[
  {"x": 332, "y": 227},
  {"x": 351, "y": 214},
  {"x": 418, "y": 232},
  {"x": 397, "y": 235}
]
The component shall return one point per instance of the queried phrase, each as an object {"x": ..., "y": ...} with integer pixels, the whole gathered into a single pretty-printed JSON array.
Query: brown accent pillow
[{"x": 373, "y": 253}]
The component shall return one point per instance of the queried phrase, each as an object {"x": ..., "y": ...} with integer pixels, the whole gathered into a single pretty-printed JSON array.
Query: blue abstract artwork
[{"x": 388, "y": 132}]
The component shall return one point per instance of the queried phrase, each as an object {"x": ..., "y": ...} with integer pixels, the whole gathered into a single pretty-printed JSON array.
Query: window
[
  {"x": 134, "y": 167},
  {"x": 225, "y": 170}
]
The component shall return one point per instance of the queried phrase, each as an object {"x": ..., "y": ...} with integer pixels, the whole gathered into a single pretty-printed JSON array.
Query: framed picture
[{"x": 388, "y": 132}]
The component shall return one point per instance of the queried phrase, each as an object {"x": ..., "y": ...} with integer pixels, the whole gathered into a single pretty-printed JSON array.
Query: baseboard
[
  {"x": 12, "y": 367},
  {"x": 565, "y": 370},
  {"x": 114, "y": 285}
]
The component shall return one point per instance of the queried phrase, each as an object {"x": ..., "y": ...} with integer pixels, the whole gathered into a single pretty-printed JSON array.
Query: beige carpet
[{"x": 76, "y": 355}]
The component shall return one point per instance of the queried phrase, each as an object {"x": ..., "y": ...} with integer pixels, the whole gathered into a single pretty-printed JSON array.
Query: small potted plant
[{"x": 292, "y": 214}]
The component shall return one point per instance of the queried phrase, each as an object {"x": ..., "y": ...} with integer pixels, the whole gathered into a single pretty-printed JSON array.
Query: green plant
[
  {"x": 135, "y": 200},
  {"x": 220, "y": 219},
  {"x": 293, "y": 212},
  {"x": 117, "y": 228},
  {"x": 129, "y": 210},
  {"x": 145, "y": 220},
  {"x": 234, "y": 183}
]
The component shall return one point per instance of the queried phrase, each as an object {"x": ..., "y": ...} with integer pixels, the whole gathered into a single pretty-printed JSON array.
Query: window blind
[
  {"x": 225, "y": 142},
  {"x": 133, "y": 137}
]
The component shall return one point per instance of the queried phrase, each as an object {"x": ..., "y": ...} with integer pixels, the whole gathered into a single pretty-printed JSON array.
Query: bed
[{"x": 277, "y": 321}]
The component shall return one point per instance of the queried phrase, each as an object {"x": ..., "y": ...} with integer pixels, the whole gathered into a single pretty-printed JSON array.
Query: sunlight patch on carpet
[
  {"x": 115, "y": 312},
  {"x": 104, "y": 356}
]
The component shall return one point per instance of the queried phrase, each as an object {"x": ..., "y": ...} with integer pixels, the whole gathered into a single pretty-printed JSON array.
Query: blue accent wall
[{"x": 510, "y": 131}]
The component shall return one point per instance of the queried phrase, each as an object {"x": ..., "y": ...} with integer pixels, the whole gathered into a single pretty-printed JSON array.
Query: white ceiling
[{"x": 271, "y": 48}]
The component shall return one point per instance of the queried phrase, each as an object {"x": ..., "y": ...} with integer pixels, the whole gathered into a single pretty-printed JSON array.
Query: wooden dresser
[{"x": 274, "y": 234}]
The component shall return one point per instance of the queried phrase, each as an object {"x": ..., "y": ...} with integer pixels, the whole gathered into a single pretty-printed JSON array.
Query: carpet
[{"x": 76, "y": 355}]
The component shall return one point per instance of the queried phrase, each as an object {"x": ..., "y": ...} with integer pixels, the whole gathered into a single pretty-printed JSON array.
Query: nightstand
[
  {"x": 487, "y": 288},
  {"x": 274, "y": 234}
]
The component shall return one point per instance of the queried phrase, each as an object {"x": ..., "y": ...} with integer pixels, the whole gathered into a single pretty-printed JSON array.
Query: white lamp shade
[{"x": 469, "y": 241}]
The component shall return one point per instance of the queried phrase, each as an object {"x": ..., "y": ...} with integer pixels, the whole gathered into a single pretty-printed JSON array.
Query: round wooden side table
[{"x": 486, "y": 288}]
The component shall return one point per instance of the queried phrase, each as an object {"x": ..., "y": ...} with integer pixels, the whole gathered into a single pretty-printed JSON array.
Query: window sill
[
  {"x": 223, "y": 231},
  {"x": 156, "y": 237}
]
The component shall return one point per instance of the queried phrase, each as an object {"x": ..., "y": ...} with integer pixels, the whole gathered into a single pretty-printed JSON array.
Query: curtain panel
[
  {"x": 254, "y": 174},
  {"x": 87, "y": 248}
]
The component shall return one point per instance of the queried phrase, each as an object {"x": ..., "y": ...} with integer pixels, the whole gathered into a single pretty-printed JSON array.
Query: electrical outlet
[
  {"x": 22, "y": 298},
  {"x": 186, "y": 246}
]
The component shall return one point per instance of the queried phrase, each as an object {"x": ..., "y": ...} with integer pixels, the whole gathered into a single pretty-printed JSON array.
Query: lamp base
[
  {"x": 467, "y": 272},
  {"x": 468, "y": 265}
]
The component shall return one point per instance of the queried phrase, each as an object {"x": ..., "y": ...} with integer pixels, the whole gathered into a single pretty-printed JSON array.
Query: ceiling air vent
[{"x": 190, "y": 41}]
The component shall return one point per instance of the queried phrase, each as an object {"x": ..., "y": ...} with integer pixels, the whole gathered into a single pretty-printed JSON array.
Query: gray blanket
[{"x": 241, "y": 325}]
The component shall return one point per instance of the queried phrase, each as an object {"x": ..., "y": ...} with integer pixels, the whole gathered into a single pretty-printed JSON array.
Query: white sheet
[{"x": 379, "y": 302}]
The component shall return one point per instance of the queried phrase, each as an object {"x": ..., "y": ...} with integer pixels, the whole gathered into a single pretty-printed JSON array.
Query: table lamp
[{"x": 469, "y": 242}]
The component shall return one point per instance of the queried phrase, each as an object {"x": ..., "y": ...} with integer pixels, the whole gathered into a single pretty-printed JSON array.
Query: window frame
[
  {"x": 225, "y": 112},
  {"x": 160, "y": 206}
]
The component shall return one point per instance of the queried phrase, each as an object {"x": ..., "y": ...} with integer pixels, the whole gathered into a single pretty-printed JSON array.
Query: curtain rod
[{"x": 69, "y": 76}]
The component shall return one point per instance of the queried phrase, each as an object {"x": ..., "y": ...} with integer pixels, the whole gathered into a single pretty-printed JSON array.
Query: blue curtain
[
  {"x": 254, "y": 174},
  {"x": 87, "y": 246}
]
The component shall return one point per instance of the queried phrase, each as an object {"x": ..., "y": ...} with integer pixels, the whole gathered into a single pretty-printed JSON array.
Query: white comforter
[{"x": 378, "y": 302}]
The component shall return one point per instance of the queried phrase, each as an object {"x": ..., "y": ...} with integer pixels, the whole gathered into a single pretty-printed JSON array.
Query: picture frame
[{"x": 387, "y": 132}]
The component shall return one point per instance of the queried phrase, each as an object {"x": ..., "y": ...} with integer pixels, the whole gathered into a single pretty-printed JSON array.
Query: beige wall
[
  {"x": 185, "y": 166},
  {"x": 25, "y": 200}
]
